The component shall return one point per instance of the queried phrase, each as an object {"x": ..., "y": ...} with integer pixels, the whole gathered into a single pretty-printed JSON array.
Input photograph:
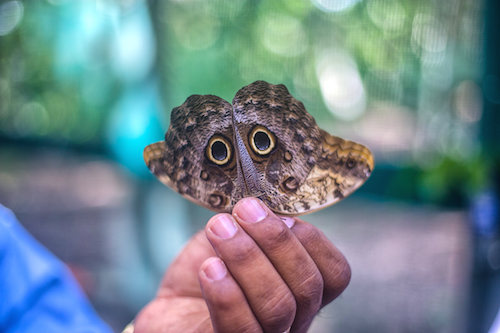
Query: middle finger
[{"x": 287, "y": 255}]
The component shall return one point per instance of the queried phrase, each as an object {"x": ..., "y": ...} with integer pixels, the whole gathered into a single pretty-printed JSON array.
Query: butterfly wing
[
  {"x": 342, "y": 167},
  {"x": 308, "y": 169},
  {"x": 183, "y": 162},
  {"x": 273, "y": 108},
  {"x": 274, "y": 150}
]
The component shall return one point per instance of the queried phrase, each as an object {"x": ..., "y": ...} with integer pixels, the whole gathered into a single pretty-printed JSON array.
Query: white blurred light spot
[
  {"x": 341, "y": 85},
  {"x": 428, "y": 34},
  {"x": 334, "y": 5},
  {"x": 11, "y": 13}
]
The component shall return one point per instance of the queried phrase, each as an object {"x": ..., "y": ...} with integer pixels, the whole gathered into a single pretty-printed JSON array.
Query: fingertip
[
  {"x": 250, "y": 210},
  {"x": 222, "y": 225},
  {"x": 213, "y": 269}
]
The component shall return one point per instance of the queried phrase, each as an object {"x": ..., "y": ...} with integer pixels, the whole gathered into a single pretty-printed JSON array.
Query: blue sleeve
[{"x": 37, "y": 292}]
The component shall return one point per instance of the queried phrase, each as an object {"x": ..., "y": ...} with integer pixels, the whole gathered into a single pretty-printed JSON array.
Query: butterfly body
[{"x": 264, "y": 144}]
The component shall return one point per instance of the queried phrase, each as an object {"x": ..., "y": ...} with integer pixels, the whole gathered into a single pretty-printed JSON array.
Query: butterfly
[{"x": 265, "y": 145}]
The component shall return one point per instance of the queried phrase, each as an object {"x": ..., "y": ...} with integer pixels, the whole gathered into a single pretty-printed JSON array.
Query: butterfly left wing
[{"x": 182, "y": 161}]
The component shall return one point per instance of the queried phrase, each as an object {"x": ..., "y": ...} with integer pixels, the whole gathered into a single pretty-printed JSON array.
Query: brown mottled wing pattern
[
  {"x": 298, "y": 138},
  {"x": 180, "y": 161},
  {"x": 305, "y": 168},
  {"x": 342, "y": 167}
]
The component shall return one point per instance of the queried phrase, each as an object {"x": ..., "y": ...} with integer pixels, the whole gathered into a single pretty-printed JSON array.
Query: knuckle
[
  {"x": 341, "y": 274},
  {"x": 313, "y": 235},
  {"x": 277, "y": 236},
  {"x": 278, "y": 313},
  {"x": 338, "y": 280},
  {"x": 245, "y": 251},
  {"x": 344, "y": 275},
  {"x": 309, "y": 293}
]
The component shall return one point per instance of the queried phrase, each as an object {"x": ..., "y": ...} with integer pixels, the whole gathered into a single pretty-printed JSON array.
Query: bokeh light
[
  {"x": 283, "y": 35},
  {"x": 388, "y": 15},
  {"x": 334, "y": 5},
  {"x": 341, "y": 85},
  {"x": 195, "y": 30},
  {"x": 134, "y": 48},
  {"x": 11, "y": 13}
]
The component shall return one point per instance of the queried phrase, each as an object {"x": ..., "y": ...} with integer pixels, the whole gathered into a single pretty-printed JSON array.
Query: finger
[
  {"x": 267, "y": 294},
  {"x": 287, "y": 255},
  {"x": 228, "y": 307},
  {"x": 331, "y": 263}
]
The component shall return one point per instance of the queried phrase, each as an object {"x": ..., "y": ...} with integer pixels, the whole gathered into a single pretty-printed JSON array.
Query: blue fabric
[{"x": 37, "y": 292}]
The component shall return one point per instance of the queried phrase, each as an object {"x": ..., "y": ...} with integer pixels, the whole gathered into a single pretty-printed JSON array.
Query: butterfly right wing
[{"x": 342, "y": 167}]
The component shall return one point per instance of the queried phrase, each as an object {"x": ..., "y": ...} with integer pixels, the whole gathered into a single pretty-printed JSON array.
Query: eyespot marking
[
  {"x": 262, "y": 141},
  {"x": 219, "y": 150}
]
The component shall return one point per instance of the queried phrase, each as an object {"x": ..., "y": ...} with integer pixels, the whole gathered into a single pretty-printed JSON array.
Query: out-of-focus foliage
[
  {"x": 52, "y": 83},
  {"x": 78, "y": 73},
  {"x": 399, "y": 76}
]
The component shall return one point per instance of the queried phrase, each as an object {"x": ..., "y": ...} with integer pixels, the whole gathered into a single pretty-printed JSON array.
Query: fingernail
[
  {"x": 223, "y": 226},
  {"x": 289, "y": 221},
  {"x": 215, "y": 269},
  {"x": 251, "y": 210}
]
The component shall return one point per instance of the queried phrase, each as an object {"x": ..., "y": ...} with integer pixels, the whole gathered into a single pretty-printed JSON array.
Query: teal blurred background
[{"x": 85, "y": 85}]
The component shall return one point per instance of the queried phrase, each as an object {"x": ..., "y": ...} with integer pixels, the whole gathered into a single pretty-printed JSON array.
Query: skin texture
[{"x": 250, "y": 271}]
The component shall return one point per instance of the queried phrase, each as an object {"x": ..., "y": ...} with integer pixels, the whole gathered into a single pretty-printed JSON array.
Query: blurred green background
[{"x": 85, "y": 85}]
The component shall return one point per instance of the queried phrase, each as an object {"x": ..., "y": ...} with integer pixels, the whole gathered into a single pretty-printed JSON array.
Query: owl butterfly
[{"x": 264, "y": 145}]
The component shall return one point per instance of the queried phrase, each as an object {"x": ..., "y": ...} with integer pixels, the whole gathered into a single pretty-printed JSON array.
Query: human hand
[{"x": 251, "y": 271}]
